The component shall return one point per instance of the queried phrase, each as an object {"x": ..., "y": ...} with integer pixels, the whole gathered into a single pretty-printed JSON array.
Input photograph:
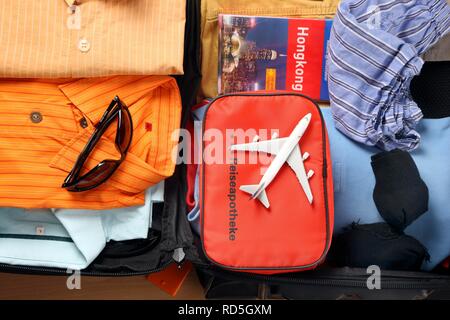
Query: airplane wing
[
  {"x": 295, "y": 161},
  {"x": 272, "y": 146}
]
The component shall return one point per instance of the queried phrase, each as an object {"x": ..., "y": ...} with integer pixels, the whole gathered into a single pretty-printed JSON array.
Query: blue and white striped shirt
[{"x": 374, "y": 52}]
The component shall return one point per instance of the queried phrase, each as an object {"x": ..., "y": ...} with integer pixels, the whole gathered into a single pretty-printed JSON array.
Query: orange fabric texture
[
  {"x": 45, "y": 124},
  {"x": 95, "y": 38},
  {"x": 291, "y": 235}
]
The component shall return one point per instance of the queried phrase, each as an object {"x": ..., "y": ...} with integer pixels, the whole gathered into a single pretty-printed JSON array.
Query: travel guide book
[{"x": 266, "y": 53}]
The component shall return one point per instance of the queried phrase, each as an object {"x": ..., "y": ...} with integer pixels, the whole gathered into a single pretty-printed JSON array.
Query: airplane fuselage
[{"x": 282, "y": 155}]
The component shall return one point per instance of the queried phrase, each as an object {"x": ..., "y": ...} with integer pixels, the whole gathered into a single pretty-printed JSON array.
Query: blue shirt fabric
[
  {"x": 354, "y": 182},
  {"x": 374, "y": 52}
]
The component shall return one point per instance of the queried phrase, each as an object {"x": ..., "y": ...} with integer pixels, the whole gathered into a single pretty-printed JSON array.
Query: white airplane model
[{"x": 285, "y": 150}]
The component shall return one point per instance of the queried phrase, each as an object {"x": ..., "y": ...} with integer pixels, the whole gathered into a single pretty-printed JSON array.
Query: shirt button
[
  {"x": 83, "y": 123},
  {"x": 36, "y": 117},
  {"x": 84, "y": 45}
]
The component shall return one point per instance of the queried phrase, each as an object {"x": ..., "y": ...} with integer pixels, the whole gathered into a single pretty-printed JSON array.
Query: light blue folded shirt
[{"x": 68, "y": 238}]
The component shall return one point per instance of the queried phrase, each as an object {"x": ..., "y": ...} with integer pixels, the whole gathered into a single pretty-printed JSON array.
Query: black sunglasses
[{"x": 104, "y": 170}]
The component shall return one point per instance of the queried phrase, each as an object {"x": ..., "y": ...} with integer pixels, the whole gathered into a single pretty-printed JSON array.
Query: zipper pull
[{"x": 178, "y": 256}]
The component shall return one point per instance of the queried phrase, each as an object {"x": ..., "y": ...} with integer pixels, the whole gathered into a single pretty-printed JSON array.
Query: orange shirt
[
  {"x": 45, "y": 124},
  {"x": 96, "y": 38}
]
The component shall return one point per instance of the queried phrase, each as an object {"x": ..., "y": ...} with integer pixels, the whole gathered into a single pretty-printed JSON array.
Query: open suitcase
[{"x": 172, "y": 240}]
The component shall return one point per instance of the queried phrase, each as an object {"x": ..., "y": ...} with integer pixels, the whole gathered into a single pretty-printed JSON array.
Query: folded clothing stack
[
  {"x": 87, "y": 105},
  {"x": 69, "y": 238}
]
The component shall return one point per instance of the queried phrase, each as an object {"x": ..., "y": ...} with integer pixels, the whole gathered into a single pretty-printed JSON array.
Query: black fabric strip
[
  {"x": 431, "y": 89},
  {"x": 33, "y": 237}
]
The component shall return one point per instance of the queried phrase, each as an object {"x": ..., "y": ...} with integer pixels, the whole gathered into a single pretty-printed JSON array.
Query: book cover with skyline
[{"x": 266, "y": 53}]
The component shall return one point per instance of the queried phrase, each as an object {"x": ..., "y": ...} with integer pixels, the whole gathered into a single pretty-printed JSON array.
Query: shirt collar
[
  {"x": 71, "y": 2},
  {"x": 93, "y": 95}
]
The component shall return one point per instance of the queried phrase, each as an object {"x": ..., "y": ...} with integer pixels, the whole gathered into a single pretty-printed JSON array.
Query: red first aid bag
[{"x": 279, "y": 230}]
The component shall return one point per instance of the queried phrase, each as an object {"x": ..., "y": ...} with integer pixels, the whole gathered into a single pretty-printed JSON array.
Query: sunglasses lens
[
  {"x": 106, "y": 168},
  {"x": 124, "y": 133},
  {"x": 96, "y": 176}
]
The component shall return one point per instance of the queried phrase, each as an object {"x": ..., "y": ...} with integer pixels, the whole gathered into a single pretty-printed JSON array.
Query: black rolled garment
[
  {"x": 377, "y": 244},
  {"x": 400, "y": 194},
  {"x": 431, "y": 89}
]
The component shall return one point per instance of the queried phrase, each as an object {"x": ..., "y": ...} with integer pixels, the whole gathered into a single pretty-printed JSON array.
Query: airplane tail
[{"x": 256, "y": 193}]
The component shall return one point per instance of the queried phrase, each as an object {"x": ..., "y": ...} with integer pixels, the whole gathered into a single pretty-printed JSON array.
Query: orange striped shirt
[
  {"x": 43, "y": 130},
  {"x": 46, "y": 39}
]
